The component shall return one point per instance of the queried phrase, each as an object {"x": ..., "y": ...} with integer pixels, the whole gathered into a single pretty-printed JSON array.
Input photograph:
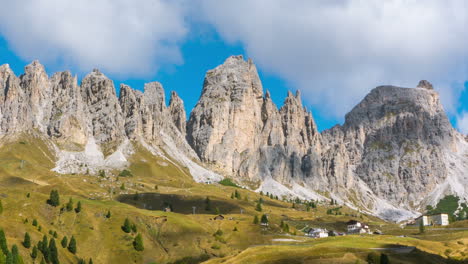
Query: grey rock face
[
  {"x": 238, "y": 131},
  {"x": 396, "y": 139},
  {"x": 67, "y": 120},
  {"x": 104, "y": 112},
  {"x": 177, "y": 110}
]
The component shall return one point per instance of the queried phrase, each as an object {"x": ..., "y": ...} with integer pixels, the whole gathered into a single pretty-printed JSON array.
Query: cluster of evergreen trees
[
  {"x": 128, "y": 227},
  {"x": 8, "y": 256}
]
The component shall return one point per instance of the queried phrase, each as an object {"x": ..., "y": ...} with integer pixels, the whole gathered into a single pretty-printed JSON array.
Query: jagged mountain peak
[{"x": 425, "y": 84}]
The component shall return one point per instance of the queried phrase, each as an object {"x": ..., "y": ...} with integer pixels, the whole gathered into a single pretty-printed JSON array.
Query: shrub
[{"x": 125, "y": 173}]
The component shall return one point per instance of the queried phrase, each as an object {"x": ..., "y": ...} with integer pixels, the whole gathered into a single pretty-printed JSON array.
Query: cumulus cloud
[
  {"x": 462, "y": 122},
  {"x": 130, "y": 38},
  {"x": 336, "y": 51}
]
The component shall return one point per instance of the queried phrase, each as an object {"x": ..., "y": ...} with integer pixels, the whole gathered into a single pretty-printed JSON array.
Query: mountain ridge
[{"x": 395, "y": 141}]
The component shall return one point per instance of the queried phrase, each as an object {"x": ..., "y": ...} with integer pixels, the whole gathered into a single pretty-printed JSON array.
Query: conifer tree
[
  {"x": 81, "y": 261},
  {"x": 255, "y": 221},
  {"x": 15, "y": 256},
  {"x": 9, "y": 258},
  {"x": 3, "y": 242},
  {"x": 27, "y": 240},
  {"x": 55, "y": 235},
  {"x": 64, "y": 242},
  {"x": 126, "y": 226},
  {"x": 72, "y": 245},
  {"x": 34, "y": 222},
  {"x": 264, "y": 219},
  {"x": 54, "y": 198},
  {"x": 108, "y": 215},
  {"x": 70, "y": 205},
  {"x": 134, "y": 228},
  {"x": 232, "y": 195},
  {"x": 258, "y": 207},
  {"x": 53, "y": 257},
  {"x": 34, "y": 253},
  {"x": 78, "y": 207},
  {"x": 90, "y": 261},
  {"x": 138, "y": 243}
]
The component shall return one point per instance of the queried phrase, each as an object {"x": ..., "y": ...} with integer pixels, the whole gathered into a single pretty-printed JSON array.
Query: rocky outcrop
[
  {"x": 103, "y": 109},
  {"x": 177, "y": 110},
  {"x": 241, "y": 132}
]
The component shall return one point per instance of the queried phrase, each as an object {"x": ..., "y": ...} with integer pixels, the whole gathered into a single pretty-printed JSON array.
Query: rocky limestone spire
[
  {"x": 425, "y": 84},
  {"x": 177, "y": 111},
  {"x": 35, "y": 83},
  {"x": 105, "y": 115},
  {"x": 68, "y": 119},
  {"x": 132, "y": 104},
  {"x": 15, "y": 113},
  {"x": 227, "y": 118}
]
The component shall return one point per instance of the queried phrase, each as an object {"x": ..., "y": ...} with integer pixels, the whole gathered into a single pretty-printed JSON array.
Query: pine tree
[
  {"x": 134, "y": 228},
  {"x": 27, "y": 240},
  {"x": 45, "y": 248},
  {"x": 16, "y": 258},
  {"x": 255, "y": 221},
  {"x": 34, "y": 222},
  {"x": 70, "y": 205},
  {"x": 235, "y": 229},
  {"x": 53, "y": 252},
  {"x": 122, "y": 187},
  {"x": 55, "y": 235},
  {"x": 78, "y": 207},
  {"x": 64, "y": 242},
  {"x": 72, "y": 245},
  {"x": 34, "y": 253},
  {"x": 264, "y": 219},
  {"x": 3, "y": 242},
  {"x": 127, "y": 226},
  {"x": 138, "y": 243},
  {"x": 259, "y": 207},
  {"x": 1, "y": 207},
  {"x": 90, "y": 261},
  {"x": 282, "y": 224},
  {"x": 9, "y": 258},
  {"x": 108, "y": 215},
  {"x": 232, "y": 195},
  {"x": 54, "y": 198},
  {"x": 207, "y": 204},
  {"x": 81, "y": 261}
]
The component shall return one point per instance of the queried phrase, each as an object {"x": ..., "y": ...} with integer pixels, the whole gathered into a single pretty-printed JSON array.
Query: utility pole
[{"x": 193, "y": 209}]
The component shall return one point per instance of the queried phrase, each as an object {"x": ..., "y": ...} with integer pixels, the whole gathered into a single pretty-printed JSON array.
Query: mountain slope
[{"x": 395, "y": 153}]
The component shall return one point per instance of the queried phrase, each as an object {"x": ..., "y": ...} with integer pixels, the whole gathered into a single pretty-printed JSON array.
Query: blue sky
[{"x": 334, "y": 52}]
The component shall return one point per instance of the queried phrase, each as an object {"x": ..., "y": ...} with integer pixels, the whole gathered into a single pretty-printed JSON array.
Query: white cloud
[
  {"x": 129, "y": 38},
  {"x": 336, "y": 51},
  {"x": 462, "y": 122}
]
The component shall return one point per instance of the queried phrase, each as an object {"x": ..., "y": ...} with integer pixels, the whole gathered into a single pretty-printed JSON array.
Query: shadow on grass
[{"x": 182, "y": 204}]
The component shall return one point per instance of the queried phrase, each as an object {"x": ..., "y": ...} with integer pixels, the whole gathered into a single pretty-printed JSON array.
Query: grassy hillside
[{"x": 153, "y": 183}]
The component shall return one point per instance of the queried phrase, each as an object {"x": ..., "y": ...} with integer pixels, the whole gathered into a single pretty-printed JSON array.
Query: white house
[
  {"x": 356, "y": 227},
  {"x": 437, "y": 219},
  {"x": 317, "y": 233}
]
